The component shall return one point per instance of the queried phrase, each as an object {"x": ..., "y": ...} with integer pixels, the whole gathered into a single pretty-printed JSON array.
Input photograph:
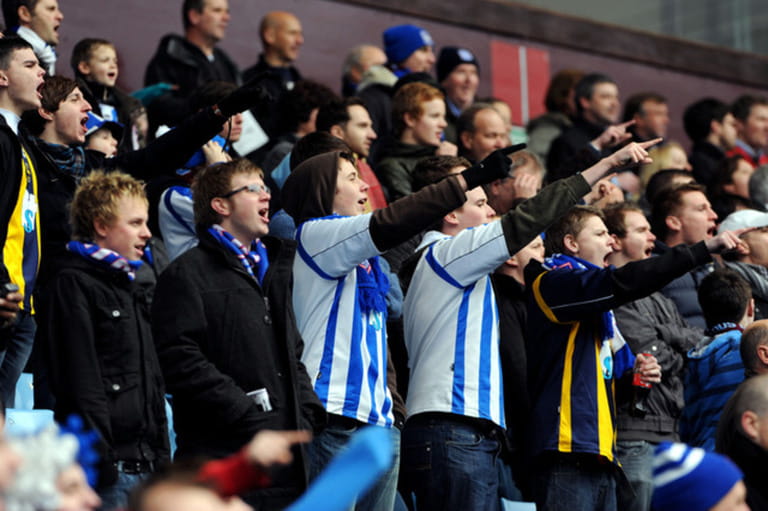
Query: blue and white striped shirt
[
  {"x": 345, "y": 349},
  {"x": 451, "y": 325}
]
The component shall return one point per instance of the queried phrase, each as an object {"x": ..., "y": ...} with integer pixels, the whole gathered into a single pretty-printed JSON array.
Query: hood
[{"x": 309, "y": 190}]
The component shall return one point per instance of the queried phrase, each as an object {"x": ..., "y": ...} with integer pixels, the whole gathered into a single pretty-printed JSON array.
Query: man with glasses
[{"x": 225, "y": 330}]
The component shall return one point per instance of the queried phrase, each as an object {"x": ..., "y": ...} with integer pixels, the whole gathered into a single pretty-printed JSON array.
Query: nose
[
  {"x": 364, "y": 186},
  {"x": 491, "y": 212},
  {"x": 371, "y": 135},
  {"x": 300, "y": 39},
  {"x": 86, "y": 106},
  {"x": 431, "y": 57},
  {"x": 59, "y": 15},
  {"x": 145, "y": 232}
]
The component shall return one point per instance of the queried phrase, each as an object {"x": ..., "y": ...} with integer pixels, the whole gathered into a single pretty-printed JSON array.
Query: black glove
[
  {"x": 495, "y": 166},
  {"x": 245, "y": 97}
]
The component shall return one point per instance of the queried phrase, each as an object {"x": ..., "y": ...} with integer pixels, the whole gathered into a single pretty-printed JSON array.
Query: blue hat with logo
[{"x": 402, "y": 40}]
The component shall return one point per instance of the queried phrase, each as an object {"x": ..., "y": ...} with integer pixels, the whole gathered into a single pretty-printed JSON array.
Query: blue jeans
[
  {"x": 15, "y": 356},
  {"x": 450, "y": 465},
  {"x": 573, "y": 482},
  {"x": 115, "y": 496},
  {"x": 332, "y": 441},
  {"x": 636, "y": 458}
]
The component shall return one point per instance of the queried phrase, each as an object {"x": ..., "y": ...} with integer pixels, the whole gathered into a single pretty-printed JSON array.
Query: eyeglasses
[{"x": 253, "y": 188}]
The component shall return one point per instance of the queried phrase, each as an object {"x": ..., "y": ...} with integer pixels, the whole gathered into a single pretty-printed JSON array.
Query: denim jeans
[
  {"x": 573, "y": 482},
  {"x": 15, "y": 356},
  {"x": 636, "y": 458},
  {"x": 450, "y": 465},
  {"x": 332, "y": 441},
  {"x": 115, "y": 496}
]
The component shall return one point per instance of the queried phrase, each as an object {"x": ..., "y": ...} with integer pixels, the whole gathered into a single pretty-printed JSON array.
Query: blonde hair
[
  {"x": 96, "y": 199},
  {"x": 662, "y": 160}
]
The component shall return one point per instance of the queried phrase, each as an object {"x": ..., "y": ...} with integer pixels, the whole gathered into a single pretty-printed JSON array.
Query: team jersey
[
  {"x": 345, "y": 350},
  {"x": 21, "y": 252},
  {"x": 451, "y": 325}
]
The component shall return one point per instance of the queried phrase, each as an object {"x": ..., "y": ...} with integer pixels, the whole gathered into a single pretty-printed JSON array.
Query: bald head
[
  {"x": 754, "y": 348},
  {"x": 360, "y": 59},
  {"x": 281, "y": 38},
  {"x": 745, "y": 412}
]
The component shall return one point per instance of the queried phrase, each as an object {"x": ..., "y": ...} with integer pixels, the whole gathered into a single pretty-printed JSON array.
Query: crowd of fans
[{"x": 285, "y": 266}]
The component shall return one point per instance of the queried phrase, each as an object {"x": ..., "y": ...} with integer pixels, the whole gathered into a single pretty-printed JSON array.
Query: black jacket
[
  {"x": 563, "y": 153},
  {"x": 102, "y": 361},
  {"x": 276, "y": 82},
  {"x": 219, "y": 335},
  {"x": 181, "y": 63},
  {"x": 705, "y": 158}
]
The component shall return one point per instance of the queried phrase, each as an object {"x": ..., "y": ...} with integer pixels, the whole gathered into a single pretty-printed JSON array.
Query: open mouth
[
  {"x": 363, "y": 201},
  {"x": 648, "y": 251},
  {"x": 264, "y": 214},
  {"x": 712, "y": 231},
  {"x": 39, "y": 90},
  {"x": 83, "y": 123}
]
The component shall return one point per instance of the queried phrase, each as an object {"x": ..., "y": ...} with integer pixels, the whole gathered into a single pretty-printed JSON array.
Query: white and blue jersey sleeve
[
  {"x": 345, "y": 349},
  {"x": 451, "y": 326},
  {"x": 176, "y": 219}
]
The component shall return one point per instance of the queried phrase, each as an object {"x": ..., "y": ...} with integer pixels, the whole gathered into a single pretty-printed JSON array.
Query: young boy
[
  {"x": 94, "y": 62},
  {"x": 98, "y": 341},
  {"x": 102, "y": 135},
  {"x": 20, "y": 78},
  {"x": 576, "y": 353},
  {"x": 418, "y": 116}
]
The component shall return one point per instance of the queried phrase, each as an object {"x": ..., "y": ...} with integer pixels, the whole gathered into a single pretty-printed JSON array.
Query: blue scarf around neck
[
  {"x": 254, "y": 261},
  {"x": 104, "y": 258}
]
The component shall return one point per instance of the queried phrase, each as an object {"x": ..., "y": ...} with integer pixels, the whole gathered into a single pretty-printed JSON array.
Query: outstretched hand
[
  {"x": 613, "y": 136},
  {"x": 496, "y": 165},
  {"x": 249, "y": 95},
  {"x": 728, "y": 241},
  {"x": 269, "y": 447},
  {"x": 632, "y": 154}
]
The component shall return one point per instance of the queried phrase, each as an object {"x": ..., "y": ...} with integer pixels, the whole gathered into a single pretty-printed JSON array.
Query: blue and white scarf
[
  {"x": 615, "y": 355},
  {"x": 104, "y": 258},
  {"x": 254, "y": 261}
]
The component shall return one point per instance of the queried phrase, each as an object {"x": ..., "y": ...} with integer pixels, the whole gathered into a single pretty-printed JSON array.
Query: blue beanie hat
[
  {"x": 402, "y": 40},
  {"x": 690, "y": 478}
]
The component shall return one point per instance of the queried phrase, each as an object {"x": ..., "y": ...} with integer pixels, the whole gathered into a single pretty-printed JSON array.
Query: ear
[
  {"x": 570, "y": 244},
  {"x": 409, "y": 120},
  {"x": 45, "y": 114},
  {"x": 749, "y": 423},
  {"x": 730, "y": 188},
  {"x": 84, "y": 68},
  {"x": 673, "y": 223},
  {"x": 100, "y": 228},
  {"x": 194, "y": 17},
  {"x": 25, "y": 16},
  {"x": 616, "y": 242},
  {"x": 269, "y": 36},
  {"x": 762, "y": 354},
  {"x": 751, "y": 308},
  {"x": 221, "y": 206},
  {"x": 451, "y": 218},
  {"x": 3, "y": 78},
  {"x": 466, "y": 139},
  {"x": 512, "y": 262},
  {"x": 584, "y": 102},
  {"x": 337, "y": 132}
]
